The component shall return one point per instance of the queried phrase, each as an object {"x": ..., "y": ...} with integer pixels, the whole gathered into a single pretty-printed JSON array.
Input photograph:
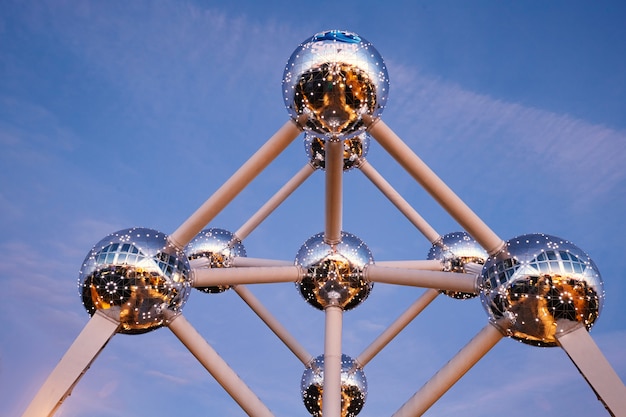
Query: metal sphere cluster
[
  {"x": 135, "y": 275},
  {"x": 537, "y": 281},
  {"x": 353, "y": 387},
  {"x": 455, "y": 250},
  {"x": 333, "y": 274},
  {"x": 214, "y": 248},
  {"x": 354, "y": 149},
  {"x": 334, "y": 78}
]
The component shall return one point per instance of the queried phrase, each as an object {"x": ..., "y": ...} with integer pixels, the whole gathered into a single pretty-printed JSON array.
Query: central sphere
[
  {"x": 539, "y": 281},
  {"x": 215, "y": 248},
  {"x": 354, "y": 149},
  {"x": 455, "y": 250},
  {"x": 333, "y": 274},
  {"x": 334, "y": 78},
  {"x": 353, "y": 387},
  {"x": 135, "y": 275}
]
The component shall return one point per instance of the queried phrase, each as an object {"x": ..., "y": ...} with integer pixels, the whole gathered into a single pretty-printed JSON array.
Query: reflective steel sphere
[
  {"x": 218, "y": 247},
  {"x": 135, "y": 275},
  {"x": 455, "y": 250},
  {"x": 353, "y": 149},
  {"x": 333, "y": 274},
  {"x": 334, "y": 78},
  {"x": 353, "y": 387},
  {"x": 538, "y": 280}
]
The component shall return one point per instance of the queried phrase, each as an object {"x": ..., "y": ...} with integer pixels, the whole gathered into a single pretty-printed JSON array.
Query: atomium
[
  {"x": 538, "y": 281},
  {"x": 353, "y": 387},
  {"x": 538, "y": 289},
  {"x": 135, "y": 275}
]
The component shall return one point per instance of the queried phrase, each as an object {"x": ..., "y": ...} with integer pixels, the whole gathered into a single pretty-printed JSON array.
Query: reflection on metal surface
[
  {"x": 334, "y": 78},
  {"x": 353, "y": 387},
  {"x": 455, "y": 250},
  {"x": 333, "y": 274},
  {"x": 538, "y": 280},
  {"x": 136, "y": 274},
  {"x": 353, "y": 149},
  {"x": 218, "y": 247}
]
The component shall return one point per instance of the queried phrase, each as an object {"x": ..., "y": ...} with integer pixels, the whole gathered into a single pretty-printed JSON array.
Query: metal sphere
[
  {"x": 217, "y": 247},
  {"x": 353, "y": 387},
  {"x": 334, "y": 78},
  {"x": 135, "y": 275},
  {"x": 455, "y": 250},
  {"x": 333, "y": 274},
  {"x": 354, "y": 149},
  {"x": 538, "y": 280}
]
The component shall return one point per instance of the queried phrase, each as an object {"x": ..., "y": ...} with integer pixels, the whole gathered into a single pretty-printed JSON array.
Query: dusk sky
[{"x": 119, "y": 114}]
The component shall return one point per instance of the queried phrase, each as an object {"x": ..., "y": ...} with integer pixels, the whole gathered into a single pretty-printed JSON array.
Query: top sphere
[
  {"x": 217, "y": 248},
  {"x": 335, "y": 78},
  {"x": 135, "y": 275},
  {"x": 539, "y": 281}
]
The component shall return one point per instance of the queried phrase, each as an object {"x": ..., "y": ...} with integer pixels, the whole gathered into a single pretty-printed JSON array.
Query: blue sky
[{"x": 115, "y": 115}]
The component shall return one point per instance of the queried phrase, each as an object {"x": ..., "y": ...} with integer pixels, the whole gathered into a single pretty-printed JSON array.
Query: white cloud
[{"x": 569, "y": 153}]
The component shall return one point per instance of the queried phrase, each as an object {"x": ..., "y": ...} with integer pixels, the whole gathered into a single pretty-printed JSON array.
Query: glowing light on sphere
[
  {"x": 335, "y": 78},
  {"x": 217, "y": 247},
  {"x": 353, "y": 149},
  {"x": 333, "y": 274},
  {"x": 353, "y": 387},
  {"x": 455, "y": 250},
  {"x": 538, "y": 280},
  {"x": 135, "y": 275}
]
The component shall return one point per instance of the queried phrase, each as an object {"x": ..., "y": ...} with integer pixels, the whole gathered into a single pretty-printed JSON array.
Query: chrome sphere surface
[
  {"x": 354, "y": 149},
  {"x": 334, "y": 78},
  {"x": 217, "y": 247},
  {"x": 538, "y": 280},
  {"x": 455, "y": 250},
  {"x": 333, "y": 274},
  {"x": 353, "y": 387},
  {"x": 135, "y": 275}
]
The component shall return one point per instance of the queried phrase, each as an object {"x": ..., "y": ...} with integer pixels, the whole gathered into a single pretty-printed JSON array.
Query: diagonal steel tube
[
  {"x": 592, "y": 364},
  {"x": 398, "y": 201},
  {"x": 279, "y": 330},
  {"x": 217, "y": 367},
  {"x": 73, "y": 365},
  {"x": 396, "y": 327},
  {"x": 436, "y": 187},
  {"x": 235, "y": 184},
  {"x": 454, "y": 370},
  {"x": 278, "y": 198}
]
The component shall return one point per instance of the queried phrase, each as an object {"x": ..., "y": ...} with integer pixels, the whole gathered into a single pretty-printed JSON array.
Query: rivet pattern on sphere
[
  {"x": 354, "y": 149},
  {"x": 218, "y": 247},
  {"x": 335, "y": 78},
  {"x": 538, "y": 280},
  {"x": 455, "y": 250},
  {"x": 353, "y": 387},
  {"x": 135, "y": 274},
  {"x": 333, "y": 274}
]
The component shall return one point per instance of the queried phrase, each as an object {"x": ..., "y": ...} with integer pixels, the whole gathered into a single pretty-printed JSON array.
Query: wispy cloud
[{"x": 575, "y": 154}]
